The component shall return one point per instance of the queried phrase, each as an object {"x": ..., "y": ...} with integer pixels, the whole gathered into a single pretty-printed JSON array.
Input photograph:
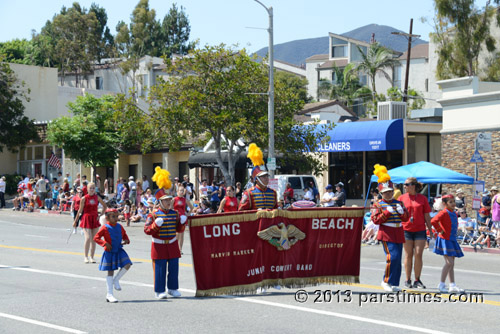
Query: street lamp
[{"x": 270, "y": 103}]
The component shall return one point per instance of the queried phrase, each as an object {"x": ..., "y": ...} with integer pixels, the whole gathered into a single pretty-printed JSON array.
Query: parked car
[{"x": 298, "y": 182}]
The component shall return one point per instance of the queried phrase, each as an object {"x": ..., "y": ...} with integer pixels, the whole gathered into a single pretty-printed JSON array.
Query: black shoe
[
  {"x": 408, "y": 284},
  {"x": 418, "y": 285}
]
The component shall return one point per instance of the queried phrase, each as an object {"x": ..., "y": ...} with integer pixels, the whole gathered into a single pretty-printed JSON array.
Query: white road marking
[
  {"x": 36, "y": 236},
  {"x": 245, "y": 299},
  {"x": 41, "y": 323}
]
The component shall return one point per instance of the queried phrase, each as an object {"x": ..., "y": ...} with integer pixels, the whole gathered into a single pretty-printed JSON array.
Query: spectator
[
  {"x": 327, "y": 200},
  {"x": 131, "y": 182},
  {"x": 125, "y": 193},
  {"x": 340, "y": 195},
  {"x": 189, "y": 188},
  {"x": 145, "y": 183},
  {"x": 41, "y": 190},
  {"x": 222, "y": 191},
  {"x": 375, "y": 196},
  {"x": 55, "y": 195},
  {"x": 239, "y": 191},
  {"x": 204, "y": 188},
  {"x": 59, "y": 178},
  {"x": 315, "y": 192},
  {"x": 465, "y": 224},
  {"x": 141, "y": 213},
  {"x": 2, "y": 192},
  {"x": 65, "y": 185},
  {"x": 97, "y": 184},
  {"x": 214, "y": 196},
  {"x": 119, "y": 188},
  {"x": 308, "y": 196},
  {"x": 460, "y": 199},
  {"x": 288, "y": 195}
]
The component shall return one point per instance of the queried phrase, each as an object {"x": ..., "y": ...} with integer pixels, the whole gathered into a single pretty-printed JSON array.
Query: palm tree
[
  {"x": 347, "y": 88},
  {"x": 376, "y": 60}
]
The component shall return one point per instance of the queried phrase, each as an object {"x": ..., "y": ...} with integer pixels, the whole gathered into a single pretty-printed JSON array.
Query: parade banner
[{"x": 238, "y": 252}]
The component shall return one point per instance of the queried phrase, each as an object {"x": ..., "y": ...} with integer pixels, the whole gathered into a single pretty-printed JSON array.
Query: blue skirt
[
  {"x": 114, "y": 261},
  {"x": 447, "y": 247}
]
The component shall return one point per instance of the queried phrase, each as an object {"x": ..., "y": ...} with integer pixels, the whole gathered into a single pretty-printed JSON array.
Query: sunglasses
[{"x": 408, "y": 184}]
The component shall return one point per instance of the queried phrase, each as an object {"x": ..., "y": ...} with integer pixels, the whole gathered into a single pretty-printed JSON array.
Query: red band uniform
[
  {"x": 391, "y": 235},
  {"x": 164, "y": 247}
]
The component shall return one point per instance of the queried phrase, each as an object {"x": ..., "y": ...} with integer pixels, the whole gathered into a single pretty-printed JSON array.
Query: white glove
[
  {"x": 400, "y": 209},
  {"x": 159, "y": 222},
  {"x": 390, "y": 209},
  {"x": 183, "y": 219}
]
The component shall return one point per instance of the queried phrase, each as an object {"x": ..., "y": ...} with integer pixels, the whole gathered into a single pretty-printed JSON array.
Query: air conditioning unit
[{"x": 391, "y": 110}]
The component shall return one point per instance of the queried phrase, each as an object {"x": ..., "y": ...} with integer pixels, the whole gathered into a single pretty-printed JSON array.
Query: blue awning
[{"x": 365, "y": 136}]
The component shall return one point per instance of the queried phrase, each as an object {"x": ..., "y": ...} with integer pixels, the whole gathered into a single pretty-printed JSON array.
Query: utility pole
[
  {"x": 270, "y": 103},
  {"x": 408, "y": 55}
]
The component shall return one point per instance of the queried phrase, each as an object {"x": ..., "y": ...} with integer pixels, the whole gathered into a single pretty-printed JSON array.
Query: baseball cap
[
  {"x": 329, "y": 187},
  {"x": 460, "y": 191},
  {"x": 131, "y": 178},
  {"x": 494, "y": 188},
  {"x": 340, "y": 184}
]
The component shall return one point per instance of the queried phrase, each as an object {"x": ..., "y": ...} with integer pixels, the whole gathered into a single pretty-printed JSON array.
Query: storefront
[{"x": 355, "y": 147}]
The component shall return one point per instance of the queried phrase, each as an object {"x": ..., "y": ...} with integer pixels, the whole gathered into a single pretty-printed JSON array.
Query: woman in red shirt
[
  {"x": 230, "y": 203},
  {"x": 90, "y": 220},
  {"x": 180, "y": 203},
  {"x": 414, "y": 228}
]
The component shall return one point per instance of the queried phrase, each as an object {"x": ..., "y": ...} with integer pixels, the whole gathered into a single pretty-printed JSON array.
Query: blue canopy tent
[{"x": 425, "y": 172}]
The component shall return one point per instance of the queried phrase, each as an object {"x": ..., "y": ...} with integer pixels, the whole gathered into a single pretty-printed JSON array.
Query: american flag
[{"x": 54, "y": 161}]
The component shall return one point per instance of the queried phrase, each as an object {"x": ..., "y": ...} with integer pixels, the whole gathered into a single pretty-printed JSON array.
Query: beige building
[
  {"x": 471, "y": 111},
  {"x": 48, "y": 100}
]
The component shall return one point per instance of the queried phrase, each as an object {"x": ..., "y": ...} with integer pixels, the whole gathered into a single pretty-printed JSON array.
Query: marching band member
[
  {"x": 260, "y": 196},
  {"x": 163, "y": 225},
  {"x": 389, "y": 213}
]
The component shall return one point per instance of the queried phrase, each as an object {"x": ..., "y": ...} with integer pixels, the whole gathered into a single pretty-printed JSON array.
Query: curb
[{"x": 479, "y": 250}]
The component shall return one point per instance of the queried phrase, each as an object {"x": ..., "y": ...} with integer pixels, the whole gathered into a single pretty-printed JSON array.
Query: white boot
[
  {"x": 116, "y": 280},
  {"x": 109, "y": 284}
]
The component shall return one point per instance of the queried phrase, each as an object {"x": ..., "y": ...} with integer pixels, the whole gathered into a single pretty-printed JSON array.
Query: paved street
[{"x": 47, "y": 288}]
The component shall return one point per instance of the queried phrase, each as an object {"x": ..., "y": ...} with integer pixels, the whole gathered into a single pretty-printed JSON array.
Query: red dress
[
  {"x": 231, "y": 204},
  {"x": 89, "y": 217}
]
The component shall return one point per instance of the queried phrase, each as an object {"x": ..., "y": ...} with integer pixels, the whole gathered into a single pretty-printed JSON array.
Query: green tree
[
  {"x": 140, "y": 38},
  {"x": 461, "y": 32},
  {"x": 106, "y": 40},
  {"x": 209, "y": 95},
  {"x": 347, "y": 88},
  {"x": 294, "y": 82},
  {"x": 89, "y": 136},
  {"x": 15, "y": 51},
  {"x": 414, "y": 101},
  {"x": 16, "y": 130},
  {"x": 175, "y": 31},
  {"x": 71, "y": 41},
  {"x": 376, "y": 60}
]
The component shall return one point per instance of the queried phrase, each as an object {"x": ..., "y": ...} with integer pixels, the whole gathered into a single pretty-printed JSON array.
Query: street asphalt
[{"x": 47, "y": 288}]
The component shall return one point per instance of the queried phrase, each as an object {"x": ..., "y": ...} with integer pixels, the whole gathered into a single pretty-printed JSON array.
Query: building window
[
  {"x": 339, "y": 51},
  {"x": 99, "y": 83},
  {"x": 398, "y": 76}
]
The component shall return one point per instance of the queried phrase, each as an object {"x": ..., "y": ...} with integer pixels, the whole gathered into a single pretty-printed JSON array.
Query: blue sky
[{"x": 227, "y": 21}]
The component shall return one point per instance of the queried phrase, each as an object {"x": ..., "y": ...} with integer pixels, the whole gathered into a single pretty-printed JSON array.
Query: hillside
[{"x": 296, "y": 52}]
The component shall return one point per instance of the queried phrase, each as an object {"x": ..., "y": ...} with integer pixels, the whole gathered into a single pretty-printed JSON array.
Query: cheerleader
[
  {"x": 180, "y": 203},
  {"x": 230, "y": 203},
  {"x": 446, "y": 224},
  {"x": 114, "y": 256}
]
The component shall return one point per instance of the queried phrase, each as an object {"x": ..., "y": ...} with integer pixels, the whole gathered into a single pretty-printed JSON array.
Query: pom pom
[
  {"x": 255, "y": 154},
  {"x": 381, "y": 172},
  {"x": 438, "y": 204},
  {"x": 162, "y": 178}
]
